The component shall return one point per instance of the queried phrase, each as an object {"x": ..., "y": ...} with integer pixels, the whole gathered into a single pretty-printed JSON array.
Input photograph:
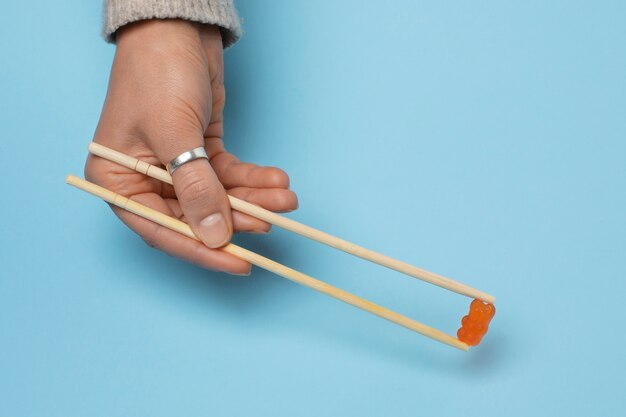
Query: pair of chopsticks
[{"x": 288, "y": 224}]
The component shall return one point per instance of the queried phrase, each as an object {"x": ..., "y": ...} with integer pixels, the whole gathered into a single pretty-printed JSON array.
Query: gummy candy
[{"x": 475, "y": 324}]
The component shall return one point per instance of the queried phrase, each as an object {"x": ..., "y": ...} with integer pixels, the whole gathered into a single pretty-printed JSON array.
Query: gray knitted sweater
[{"x": 222, "y": 13}]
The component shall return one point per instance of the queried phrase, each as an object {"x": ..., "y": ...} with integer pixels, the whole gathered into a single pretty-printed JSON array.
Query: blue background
[{"x": 483, "y": 141}]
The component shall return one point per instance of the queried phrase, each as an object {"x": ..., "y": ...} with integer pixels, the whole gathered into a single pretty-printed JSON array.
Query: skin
[{"x": 166, "y": 96}]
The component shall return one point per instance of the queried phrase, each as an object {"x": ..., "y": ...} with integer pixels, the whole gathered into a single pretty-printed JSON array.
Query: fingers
[
  {"x": 176, "y": 244},
  {"x": 263, "y": 186},
  {"x": 274, "y": 199},
  {"x": 203, "y": 202},
  {"x": 270, "y": 199},
  {"x": 248, "y": 224},
  {"x": 233, "y": 173}
]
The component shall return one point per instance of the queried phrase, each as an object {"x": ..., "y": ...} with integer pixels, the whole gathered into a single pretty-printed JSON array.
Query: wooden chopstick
[
  {"x": 265, "y": 263},
  {"x": 299, "y": 228}
]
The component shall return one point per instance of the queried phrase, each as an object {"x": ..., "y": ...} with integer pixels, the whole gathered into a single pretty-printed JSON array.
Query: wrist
[{"x": 161, "y": 33}]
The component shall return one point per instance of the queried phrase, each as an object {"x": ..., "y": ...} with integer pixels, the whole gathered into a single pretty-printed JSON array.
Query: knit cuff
[{"x": 222, "y": 13}]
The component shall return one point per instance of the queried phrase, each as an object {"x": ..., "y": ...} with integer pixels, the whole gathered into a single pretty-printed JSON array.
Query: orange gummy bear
[{"x": 475, "y": 324}]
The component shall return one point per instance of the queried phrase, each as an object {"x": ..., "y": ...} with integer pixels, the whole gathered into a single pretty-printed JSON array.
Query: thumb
[{"x": 204, "y": 202}]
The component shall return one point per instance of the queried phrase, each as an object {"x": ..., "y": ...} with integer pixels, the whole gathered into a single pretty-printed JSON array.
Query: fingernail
[
  {"x": 213, "y": 230},
  {"x": 244, "y": 274}
]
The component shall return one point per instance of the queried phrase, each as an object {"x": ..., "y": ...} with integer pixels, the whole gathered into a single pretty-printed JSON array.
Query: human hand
[{"x": 166, "y": 96}]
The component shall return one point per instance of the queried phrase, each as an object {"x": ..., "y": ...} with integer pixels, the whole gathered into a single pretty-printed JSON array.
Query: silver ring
[{"x": 185, "y": 157}]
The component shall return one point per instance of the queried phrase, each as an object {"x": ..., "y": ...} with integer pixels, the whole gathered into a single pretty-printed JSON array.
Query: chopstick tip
[
  {"x": 461, "y": 345},
  {"x": 490, "y": 299}
]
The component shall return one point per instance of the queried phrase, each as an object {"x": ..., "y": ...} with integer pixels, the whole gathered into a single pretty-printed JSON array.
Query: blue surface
[{"x": 486, "y": 142}]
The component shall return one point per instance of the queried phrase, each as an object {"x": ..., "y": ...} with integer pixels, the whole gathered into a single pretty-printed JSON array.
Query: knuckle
[
  {"x": 196, "y": 189},
  {"x": 198, "y": 255},
  {"x": 247, "y": 194},
  {"x": 152, "y": 237}
]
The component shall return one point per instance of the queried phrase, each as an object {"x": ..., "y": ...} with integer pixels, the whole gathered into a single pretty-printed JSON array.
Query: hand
[{"x": 166, "y": 96}]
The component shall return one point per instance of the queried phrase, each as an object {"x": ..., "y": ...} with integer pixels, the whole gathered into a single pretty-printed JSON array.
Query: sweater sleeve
[{"x": 222, "y": 13}]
